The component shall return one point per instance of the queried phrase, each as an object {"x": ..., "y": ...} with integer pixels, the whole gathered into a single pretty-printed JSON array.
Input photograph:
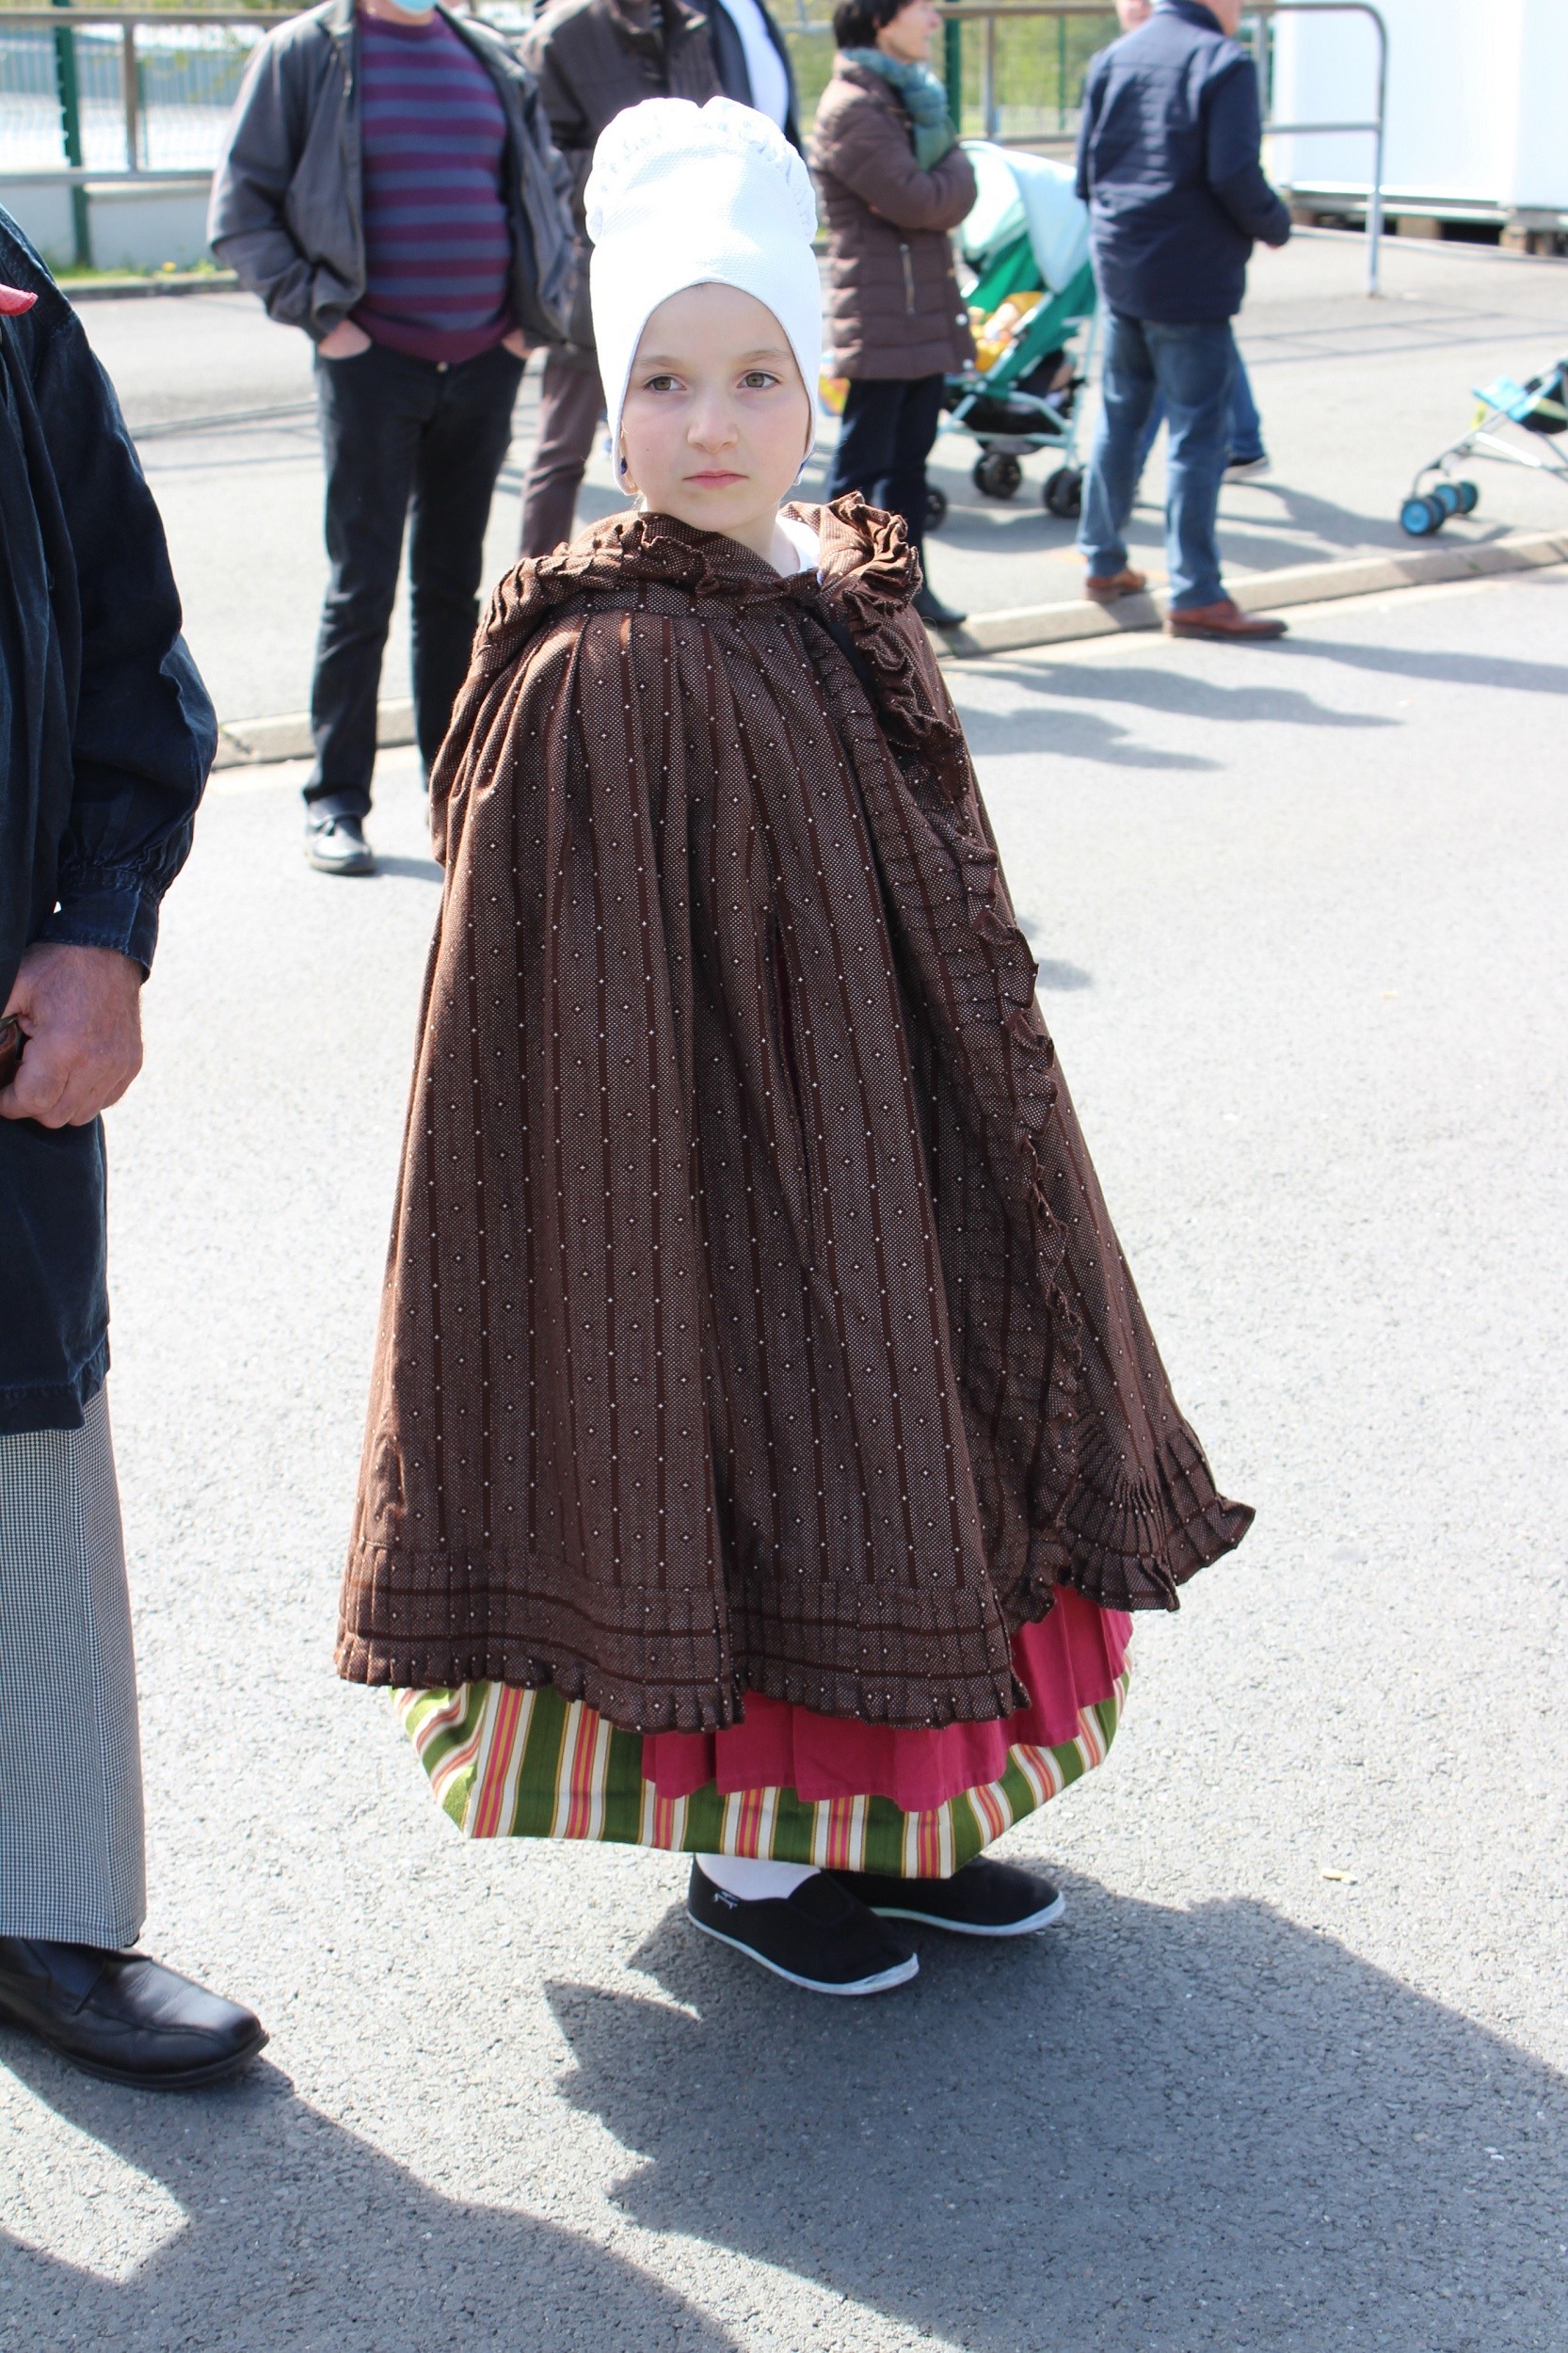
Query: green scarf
[{"x": 924, "y": 98}]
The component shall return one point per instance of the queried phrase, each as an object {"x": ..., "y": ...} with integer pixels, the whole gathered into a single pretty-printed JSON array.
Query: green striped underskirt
[{"x": 510, "y": 1764}]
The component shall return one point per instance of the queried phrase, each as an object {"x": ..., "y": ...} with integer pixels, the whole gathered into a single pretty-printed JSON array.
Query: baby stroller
[
  {"x": 1538, "y": 408},
  {"x": 1027, "y": 243}
]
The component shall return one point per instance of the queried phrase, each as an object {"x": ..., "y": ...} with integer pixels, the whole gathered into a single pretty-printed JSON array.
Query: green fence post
[
  {"x": 952, "y": 69},
  {"x": 71, "y": 128}
]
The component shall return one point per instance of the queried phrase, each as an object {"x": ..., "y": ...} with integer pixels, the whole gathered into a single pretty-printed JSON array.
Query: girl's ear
[{"x": 623, "y": 469}]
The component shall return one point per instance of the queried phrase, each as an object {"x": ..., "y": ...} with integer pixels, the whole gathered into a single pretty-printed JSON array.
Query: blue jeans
[
  {"x": 1192, "y": 368},
  {"x": 1246, "y": 426}
]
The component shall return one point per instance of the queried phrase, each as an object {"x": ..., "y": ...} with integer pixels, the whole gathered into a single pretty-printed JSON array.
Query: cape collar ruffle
[{"x": 867, "y": 576}]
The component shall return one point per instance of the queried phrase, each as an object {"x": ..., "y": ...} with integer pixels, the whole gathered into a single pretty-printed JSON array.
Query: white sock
[{"x": 751, "y": 1881}]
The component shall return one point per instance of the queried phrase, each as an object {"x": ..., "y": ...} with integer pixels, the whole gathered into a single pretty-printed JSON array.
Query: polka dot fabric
[{"x": 753, "y": 1320}]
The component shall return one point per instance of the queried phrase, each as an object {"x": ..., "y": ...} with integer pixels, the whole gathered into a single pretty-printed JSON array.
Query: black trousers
[
  {"x": 403, "y": 437},
  {"x": 887, "y": 432}
]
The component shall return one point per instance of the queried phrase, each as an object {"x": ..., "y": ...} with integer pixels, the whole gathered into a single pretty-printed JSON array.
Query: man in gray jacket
[{"x": 388, "y": 186}]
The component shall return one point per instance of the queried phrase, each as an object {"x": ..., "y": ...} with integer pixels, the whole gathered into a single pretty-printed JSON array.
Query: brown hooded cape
[{"x": 753, "y": 1320}]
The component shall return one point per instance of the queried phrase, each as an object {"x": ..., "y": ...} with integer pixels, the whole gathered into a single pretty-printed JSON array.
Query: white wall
[
  {"x": 1478, "y": 99},
  {"x": 1540, "y": 152},
  {"x": 130, "y": 228}
]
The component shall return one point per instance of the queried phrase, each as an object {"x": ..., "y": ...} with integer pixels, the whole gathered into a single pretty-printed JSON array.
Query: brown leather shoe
[
  {"x": 1224, "y": 621},
  {"x": 1114, "y": 585}
]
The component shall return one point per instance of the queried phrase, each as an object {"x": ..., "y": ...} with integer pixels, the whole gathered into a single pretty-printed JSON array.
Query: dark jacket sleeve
[
  {"x": 144, "y": 735},
  {"x": 1086, "y": 129},
  {"x": 246, "y": 224},
  {"x": 570, "y": 122},
  {"x": 1232, "y": 165},
  {"x": 867, "y": 147},
  {"x": 792, "y": 120}
]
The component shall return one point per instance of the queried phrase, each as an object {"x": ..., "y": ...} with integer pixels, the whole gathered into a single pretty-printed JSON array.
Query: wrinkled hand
[
  {"x": 81, "y": 1009},
  {"x": 346, "y": 341}
]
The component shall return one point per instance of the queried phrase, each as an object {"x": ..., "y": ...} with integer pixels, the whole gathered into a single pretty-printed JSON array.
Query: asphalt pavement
[
  {"x": 1355, "y": 395},
  {"x": 1290, "y": 2075}
]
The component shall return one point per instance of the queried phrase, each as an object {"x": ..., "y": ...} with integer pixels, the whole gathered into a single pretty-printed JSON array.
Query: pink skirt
[{"x": 1067, "y": 1662}]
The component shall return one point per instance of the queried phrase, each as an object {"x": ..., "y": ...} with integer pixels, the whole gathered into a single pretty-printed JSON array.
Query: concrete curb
[
  {"x": 247, "y": 742},
  {"x": 161, "y": 282},
  {"x": 251, "y": 743},
  {"x": 1260, "y": 592}
]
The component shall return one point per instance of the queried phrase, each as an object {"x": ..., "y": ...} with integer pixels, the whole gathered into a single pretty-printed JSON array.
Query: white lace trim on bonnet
[{"x": 694, "y": 196}]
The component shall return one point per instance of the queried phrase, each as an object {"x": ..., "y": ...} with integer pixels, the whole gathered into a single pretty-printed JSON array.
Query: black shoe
[
  {"x": 932, "y": 612},
  {"x": 337, "y": 845},
  {"x": 122, "y": 2016},
  {"x": 819, "y": 1938},
  {"x": 985, "y": 1899}
]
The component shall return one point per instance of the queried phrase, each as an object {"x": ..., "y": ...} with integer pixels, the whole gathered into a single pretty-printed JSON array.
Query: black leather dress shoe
[
  {"x": 122, "y": 2016},
  {"x": 934, "y": 613},
  {"x": 337, "y": 845}
]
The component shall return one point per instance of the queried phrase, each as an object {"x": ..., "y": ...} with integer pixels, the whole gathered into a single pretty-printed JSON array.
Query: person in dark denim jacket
[
  {"x": 106, "y": 735},
  {"x": 1169, "y": 166}
]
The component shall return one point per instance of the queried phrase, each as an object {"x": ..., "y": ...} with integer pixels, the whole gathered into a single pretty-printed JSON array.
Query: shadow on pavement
[
  {"x": 412, "y": 868},
  {"x": 297, "y": 2233},
  {"x": 1052, "y": 973},
  {"x": 1446, "y": 669},
  {"x": 1077, "y": 732},
  {"x": 1183, "y": 2130}
]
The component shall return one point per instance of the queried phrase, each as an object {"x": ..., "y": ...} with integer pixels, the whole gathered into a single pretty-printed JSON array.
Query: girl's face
[
  {"x": 717, "y": 420},
  {"x": 909, "y": 37}
]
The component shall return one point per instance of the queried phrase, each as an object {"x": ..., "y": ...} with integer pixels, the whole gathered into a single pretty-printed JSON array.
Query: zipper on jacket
[{"x": 908, "y": 280}]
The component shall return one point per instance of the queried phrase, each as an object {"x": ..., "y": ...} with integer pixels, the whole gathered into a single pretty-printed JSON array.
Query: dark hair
[{"x": 857, "y": 23}]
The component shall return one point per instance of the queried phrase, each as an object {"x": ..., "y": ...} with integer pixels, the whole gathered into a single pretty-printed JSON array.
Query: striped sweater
[{"x": 437, "y": 247}]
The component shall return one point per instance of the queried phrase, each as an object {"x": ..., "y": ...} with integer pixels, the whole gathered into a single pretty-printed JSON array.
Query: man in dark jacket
[
  {"x": 388, "y": 186},
  {"x": 1168, "y": 162},
  {"x": 751, "y": 58},
  {"x": 106, "y": 740},
  {"x": 594, "y": 59}
]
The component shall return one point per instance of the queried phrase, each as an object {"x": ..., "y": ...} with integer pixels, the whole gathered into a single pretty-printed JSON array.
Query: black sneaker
[
  {"x": 820, "y": 1937},
  {"x": 337, "y": 845},
  {"x": 932, "y": 612},
  {"x": 985, "y": 1899}
]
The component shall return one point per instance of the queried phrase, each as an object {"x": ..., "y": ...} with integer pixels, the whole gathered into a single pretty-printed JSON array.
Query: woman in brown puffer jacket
[{"x": 893, "y": 182}]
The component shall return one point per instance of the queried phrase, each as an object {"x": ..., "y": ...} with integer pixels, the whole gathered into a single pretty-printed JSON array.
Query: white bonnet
[{"x": 694, "y": 196}]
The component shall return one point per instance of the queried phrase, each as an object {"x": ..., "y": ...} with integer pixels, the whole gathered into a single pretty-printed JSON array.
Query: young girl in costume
[{"x": 766, "y": 1442}]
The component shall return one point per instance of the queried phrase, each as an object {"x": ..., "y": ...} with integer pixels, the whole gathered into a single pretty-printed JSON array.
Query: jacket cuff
[{"x": 107, "y": 909}]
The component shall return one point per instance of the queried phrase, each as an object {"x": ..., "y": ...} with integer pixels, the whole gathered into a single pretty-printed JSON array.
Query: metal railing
[
  {"x": 106, "y": 95},
  {"x": 70, "y": 75},
  {"x": 1377, "y": 130}
]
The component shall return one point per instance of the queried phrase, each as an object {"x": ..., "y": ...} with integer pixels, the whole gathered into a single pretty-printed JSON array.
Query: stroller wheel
[
  {"x": 1469, "y": 496},
  {"x": 1421, "y": 517},
  {"x": 1064, "y": 492},
  {"x": 997, "y": 473},
  {"x": 1446, "y": 495},
  {"x": 935, "y": 507}
]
